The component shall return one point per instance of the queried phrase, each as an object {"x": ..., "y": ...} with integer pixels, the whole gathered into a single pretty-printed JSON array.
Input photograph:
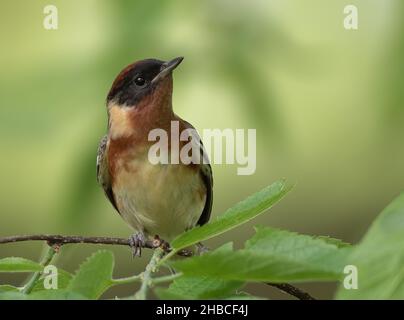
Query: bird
[{"x": 156, "y": 200}]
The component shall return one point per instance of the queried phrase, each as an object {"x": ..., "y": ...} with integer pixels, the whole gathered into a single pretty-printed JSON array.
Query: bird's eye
[{"x": 139, "y": 81}]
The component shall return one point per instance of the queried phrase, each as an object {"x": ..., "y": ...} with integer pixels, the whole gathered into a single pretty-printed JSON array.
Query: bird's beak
[{"x": 167, "y": 68}]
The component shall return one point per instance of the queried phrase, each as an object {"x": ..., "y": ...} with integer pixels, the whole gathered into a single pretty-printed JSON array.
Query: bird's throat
[
  {"x": 137, "y": 122},
  {"x": 120, "y": 124}
]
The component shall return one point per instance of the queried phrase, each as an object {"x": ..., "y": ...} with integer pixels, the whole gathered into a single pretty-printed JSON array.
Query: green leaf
[
  {"x": 199, "y": 288},
  {"x": 63, "y": 281},
  {"x": 379, "y": 258},
  {"x": 12, "y": 295},
  {"x": 244, "y": 296},
  {"x": 16, "y": 264},
  {"x": 295, "y": 246},
  {"x": 94, "y": 276},
  {"x": 339, "y": 243},
  {"x": 7, "y": 288},
  {"x": 241, "y": 213},
  {"x": 165, "y": 294},
  {"x": 42, "y": 295},
  {"x": 271, "y": 255},
  {"x": 59, "y": 294}
]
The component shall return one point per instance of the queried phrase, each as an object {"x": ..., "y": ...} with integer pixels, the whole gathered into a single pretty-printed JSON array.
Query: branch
[
  {"x": 292, "y": 290},
  {"x": 59, "y": 240}
]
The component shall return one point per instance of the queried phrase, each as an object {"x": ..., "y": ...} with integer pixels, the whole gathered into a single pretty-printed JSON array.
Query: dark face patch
[{"x": 134, "y": 82}]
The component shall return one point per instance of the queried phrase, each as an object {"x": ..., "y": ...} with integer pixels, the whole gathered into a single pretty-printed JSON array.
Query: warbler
[{"x": 162, "y": 199}]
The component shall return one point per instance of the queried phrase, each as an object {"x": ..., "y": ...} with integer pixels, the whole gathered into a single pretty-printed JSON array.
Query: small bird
[{"x": 156, "y": 200}]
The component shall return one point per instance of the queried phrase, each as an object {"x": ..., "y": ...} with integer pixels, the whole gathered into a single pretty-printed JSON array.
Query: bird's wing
[
  {"x": 207, "y": 178},
  {"x": 103, "y": 177}
]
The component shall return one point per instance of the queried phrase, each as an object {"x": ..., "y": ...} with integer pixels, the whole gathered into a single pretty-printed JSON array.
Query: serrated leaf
[
  {"x": 271, "y": 255},
  {"x": 16, "y": 264},
  {"x": 94, "y": 276},
  {"x": 379, "y": 257},
  {"x": 241, "y": 213},
  {"x": 63, "y": 281},
  {"x": 338, "y": 242},
  {"x": 199, "y": 288},
  {"x": 293, "y": 245}
]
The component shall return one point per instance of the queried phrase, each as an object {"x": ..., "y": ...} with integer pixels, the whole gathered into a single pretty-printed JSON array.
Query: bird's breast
[{"x": 162, "y": 199}]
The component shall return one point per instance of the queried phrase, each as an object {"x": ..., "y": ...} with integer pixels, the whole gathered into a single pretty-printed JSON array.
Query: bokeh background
[{"x": 327, "y": 104}]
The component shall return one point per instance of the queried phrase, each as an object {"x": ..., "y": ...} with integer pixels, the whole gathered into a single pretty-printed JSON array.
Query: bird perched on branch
[{"x": 163, "y": 199}]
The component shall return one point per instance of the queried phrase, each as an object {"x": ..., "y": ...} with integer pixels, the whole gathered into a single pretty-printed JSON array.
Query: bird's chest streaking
[{"x": 162, "y": 199}]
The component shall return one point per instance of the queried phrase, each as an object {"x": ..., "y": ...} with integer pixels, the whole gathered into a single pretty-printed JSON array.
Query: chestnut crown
[{"x": 139, "y": 79}]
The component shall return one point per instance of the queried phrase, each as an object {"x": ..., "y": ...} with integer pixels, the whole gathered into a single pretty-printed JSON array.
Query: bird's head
[
  {"x": 140, "y": 98},
  {"x": 144, "y": 82}
]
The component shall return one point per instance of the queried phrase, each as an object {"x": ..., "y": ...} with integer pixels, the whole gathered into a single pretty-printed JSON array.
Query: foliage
[
  {"x": 239, "y": 214},
  {"x": 15, "y": 264},
  {"x": 271, "y": 255},
  {"x": 379, "y": 257}
]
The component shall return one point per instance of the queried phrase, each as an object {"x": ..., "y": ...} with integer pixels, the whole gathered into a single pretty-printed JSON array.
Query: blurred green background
[{"x": 327, "y": 104}]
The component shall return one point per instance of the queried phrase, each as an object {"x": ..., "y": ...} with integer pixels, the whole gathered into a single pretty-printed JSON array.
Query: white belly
[{"x": 162, "y": 200}]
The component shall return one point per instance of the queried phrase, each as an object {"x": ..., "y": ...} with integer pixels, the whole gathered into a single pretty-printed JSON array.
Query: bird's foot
[
  {"x": 137, "y": 241},
  {"x": 201, "y": 249}
]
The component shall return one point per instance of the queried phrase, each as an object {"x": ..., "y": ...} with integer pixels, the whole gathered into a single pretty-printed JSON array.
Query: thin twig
[
  {"x": 146, "y": 276},
  {"x": 47, "y": 258},
  {"x": 61, "y": 240},
  {"x": 131, "y": 279},
  {"x": 292, "y": 290},
  {"x": 56, "y": 239},
  {"x": 168, "y": 278},
  {"x": 150, "y": 244}
]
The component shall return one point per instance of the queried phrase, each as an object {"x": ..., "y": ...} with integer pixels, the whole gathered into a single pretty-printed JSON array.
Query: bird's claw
[{"x": 137, "y": 241}]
